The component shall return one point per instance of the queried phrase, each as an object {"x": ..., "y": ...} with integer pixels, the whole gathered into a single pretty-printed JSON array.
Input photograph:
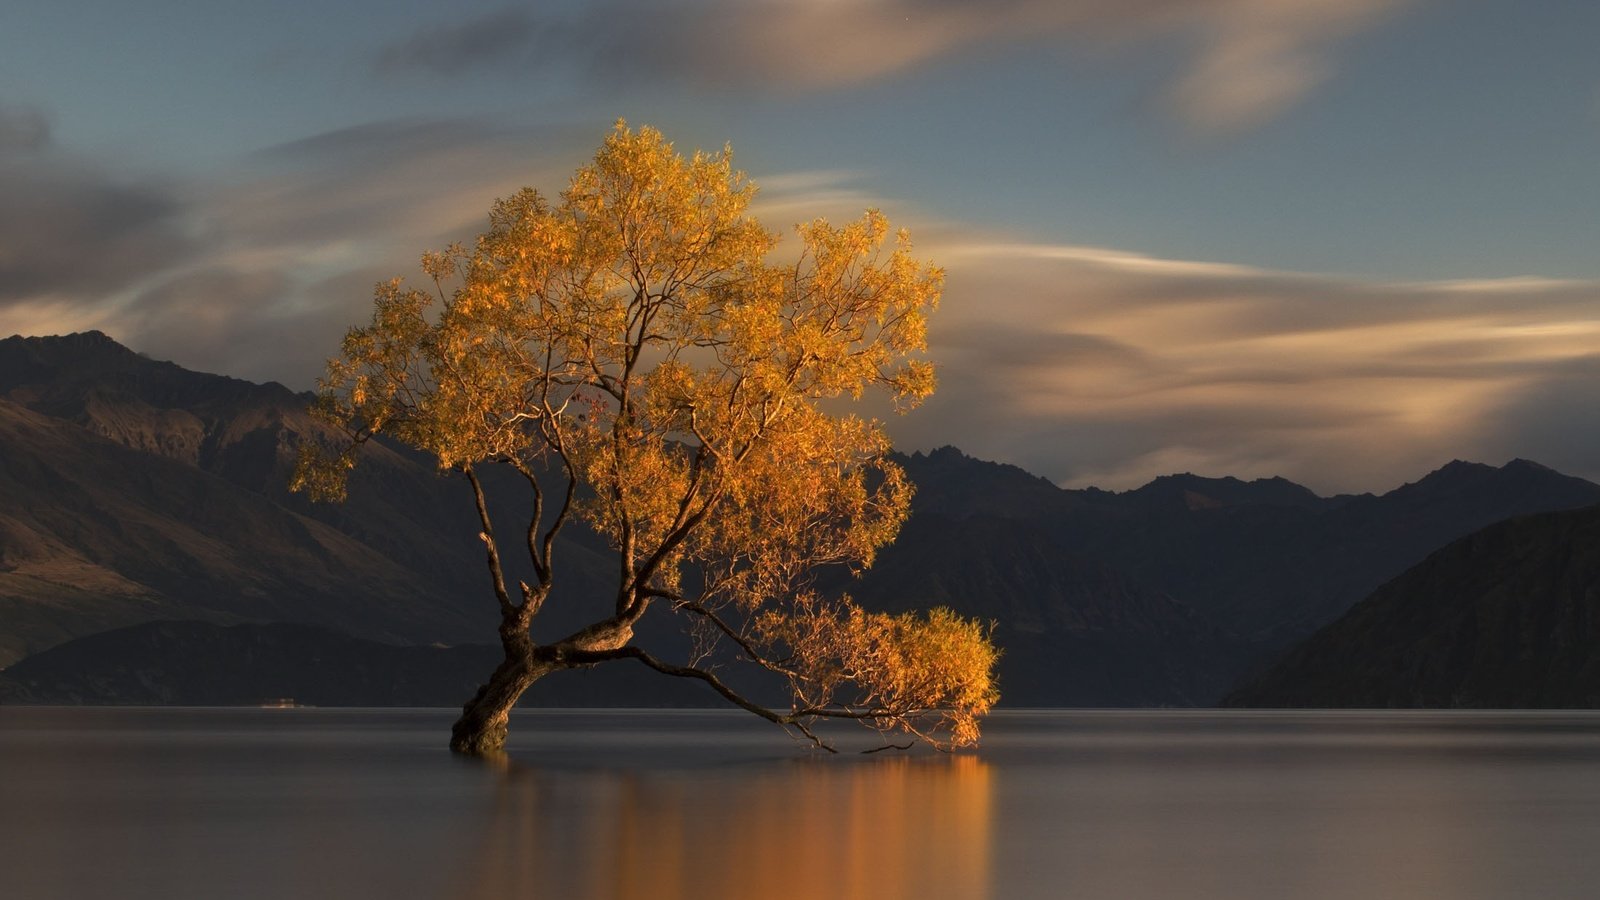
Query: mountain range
[
  {"x": 136, "y": 491},
  {"x": 1168, "y": 594}
]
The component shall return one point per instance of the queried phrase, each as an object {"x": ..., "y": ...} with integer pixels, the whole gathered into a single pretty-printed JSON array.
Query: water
[{"x": 302, "y": 803}]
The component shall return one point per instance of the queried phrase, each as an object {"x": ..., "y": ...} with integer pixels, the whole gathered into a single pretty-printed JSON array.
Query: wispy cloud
[
  {"x": 1257, "y": 58},
  {"x": 1088, "y": 365},
  {"x": 256, "y": 276},
  {"x": 1246, "y": 59},
  {"x": 297, "y": 247},
  {"x": 1243, "y": 60},
  {"x": 70, "y": 229},
  {"x": 23, "y": 129},
  {"x": 450, "y": 48},
  {"x": 1102, "y": 367}
]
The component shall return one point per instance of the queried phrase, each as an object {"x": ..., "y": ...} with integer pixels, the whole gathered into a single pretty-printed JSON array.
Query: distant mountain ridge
[
  {"x": 1194, "y": 492},
  {"x": 1160, "y": 525},
  {"x": 137, "y": 490}
]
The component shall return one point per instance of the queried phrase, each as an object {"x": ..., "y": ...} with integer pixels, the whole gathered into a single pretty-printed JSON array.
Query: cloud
[
  {"x": 1101, "y": 367},
  {"x": 217, "y": 319},
  {"x": 412, "y": 180},
  {"x": 1257, "y": 58},
  {"x": 23, "y": 129},
  {"x": 1556, "y": 412},
  {"x": 1107, "y": 367},
  {"x": 74, "y": 238},
  {"x": 256, "y": 276},
  {"x": 296, "y": 248},
  {"x": 69, "y": 229},
  {"x": 1243, "y": 60},
  {"x": 1087, "y": 365},
  {"x": 453, "y": 48}
]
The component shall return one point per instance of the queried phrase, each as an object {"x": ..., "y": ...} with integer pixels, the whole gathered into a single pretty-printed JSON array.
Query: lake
[{"x": 321, "y": 803}]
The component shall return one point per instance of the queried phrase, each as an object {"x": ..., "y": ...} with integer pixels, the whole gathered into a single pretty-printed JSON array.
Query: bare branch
[
  {"x": 710, "y": 615},
  {"x": 583, "y": 658},
  {"x": 541, "y": 566},
  {"x": 492, "y": 549}
]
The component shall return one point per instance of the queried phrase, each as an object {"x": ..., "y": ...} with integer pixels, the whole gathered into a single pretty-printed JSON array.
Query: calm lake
[{"x": 308, "y": 803}]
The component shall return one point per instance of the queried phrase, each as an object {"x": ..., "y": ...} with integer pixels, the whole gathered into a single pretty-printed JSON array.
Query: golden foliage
[
  {"x": 634, "y": 335},
  {"x": 927, "y": 675}
]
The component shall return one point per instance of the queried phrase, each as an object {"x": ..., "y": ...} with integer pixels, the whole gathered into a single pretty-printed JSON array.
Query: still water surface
[{"x": 305, "y": 803}]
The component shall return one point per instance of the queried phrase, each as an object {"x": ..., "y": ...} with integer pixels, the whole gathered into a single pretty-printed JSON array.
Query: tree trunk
[{"x": 481, "y": 730}]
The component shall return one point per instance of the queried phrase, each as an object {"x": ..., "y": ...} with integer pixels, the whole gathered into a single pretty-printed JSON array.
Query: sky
[{"x": 1341, "y": 241}]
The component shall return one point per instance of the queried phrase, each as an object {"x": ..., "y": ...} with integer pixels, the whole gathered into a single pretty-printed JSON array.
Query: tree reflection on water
[{"x": 880, "y": 828}]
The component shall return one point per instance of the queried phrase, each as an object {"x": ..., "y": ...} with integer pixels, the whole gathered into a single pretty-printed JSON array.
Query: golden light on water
[{"x": 888, "y": 828}]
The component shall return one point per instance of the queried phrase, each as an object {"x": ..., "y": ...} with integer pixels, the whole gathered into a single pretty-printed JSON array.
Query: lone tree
[{"x": 632, "y": 354}]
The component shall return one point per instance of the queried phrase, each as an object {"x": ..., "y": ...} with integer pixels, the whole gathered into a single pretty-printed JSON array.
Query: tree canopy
[{"x": 634, "y": 352}]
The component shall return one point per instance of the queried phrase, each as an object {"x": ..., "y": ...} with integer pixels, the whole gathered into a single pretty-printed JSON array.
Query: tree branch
[
  {"x": 541, "y": 566},
  {"x": 493, "y": 550},
  {"x": 700, "y": 609},
  {"x": 584, "y": 658}
]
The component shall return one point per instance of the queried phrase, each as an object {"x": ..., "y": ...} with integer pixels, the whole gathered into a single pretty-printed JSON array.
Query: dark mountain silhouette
[
  {"x": 1168, "y": 594},
  {"x": 1274, "y": 568},
  {"x": 1192, "y": 492},
  {"x": 136, "y": 490},
  {"x": 1508, "y": 617},
  {"x": 1075, "y": 630}
]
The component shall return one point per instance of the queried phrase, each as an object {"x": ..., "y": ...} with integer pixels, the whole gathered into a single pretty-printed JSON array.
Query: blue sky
[{"x": 1338, "y": 240}]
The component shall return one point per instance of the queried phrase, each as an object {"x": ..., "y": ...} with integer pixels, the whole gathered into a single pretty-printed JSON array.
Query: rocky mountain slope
[
  {"x": 1508, "y": 617},
  {"x": 137, "y": 490}
]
